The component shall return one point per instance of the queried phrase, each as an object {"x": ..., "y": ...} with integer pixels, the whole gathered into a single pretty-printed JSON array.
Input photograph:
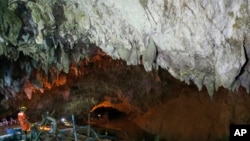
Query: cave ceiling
[{"x": 203, "y": 42}]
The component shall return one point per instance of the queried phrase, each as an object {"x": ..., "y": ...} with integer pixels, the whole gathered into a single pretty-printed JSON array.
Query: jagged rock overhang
[{"x": 199, "y": 41}]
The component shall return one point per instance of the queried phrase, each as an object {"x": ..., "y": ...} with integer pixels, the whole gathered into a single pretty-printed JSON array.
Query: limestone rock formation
[{"x": 206, "y": 42}]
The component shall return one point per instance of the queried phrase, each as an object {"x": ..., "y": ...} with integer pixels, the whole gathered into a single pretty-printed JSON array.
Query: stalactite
[
  {"x": 8, "y": 71},
  {"x": 66, "y": 93},
  {"x": 28, "y": 92},
  {"x": 28, "y": 89}
]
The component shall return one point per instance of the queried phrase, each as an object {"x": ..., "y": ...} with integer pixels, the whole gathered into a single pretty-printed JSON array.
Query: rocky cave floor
[{"x": 148, "y": 101}]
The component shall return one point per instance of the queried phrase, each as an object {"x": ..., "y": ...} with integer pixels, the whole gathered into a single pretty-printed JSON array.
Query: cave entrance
[
  {"x": 108, "y": 114},
  {"x": 117, "y": 122}
]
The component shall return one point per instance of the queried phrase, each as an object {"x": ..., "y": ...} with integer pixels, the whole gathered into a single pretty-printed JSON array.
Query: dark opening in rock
[{"x": 108, "y": 113}]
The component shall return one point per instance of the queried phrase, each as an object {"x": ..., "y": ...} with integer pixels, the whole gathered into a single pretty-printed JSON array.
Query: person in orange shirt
[{"x": 22, "y": 118}]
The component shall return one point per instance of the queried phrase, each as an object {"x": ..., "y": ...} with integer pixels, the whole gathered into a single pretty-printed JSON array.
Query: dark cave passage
[
  {"x": 108, "y": 113},
  {"x": 117, "y": 121}
]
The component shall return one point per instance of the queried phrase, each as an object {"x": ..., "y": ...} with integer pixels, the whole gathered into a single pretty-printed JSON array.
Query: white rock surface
[{"x": 198, "y": 40}]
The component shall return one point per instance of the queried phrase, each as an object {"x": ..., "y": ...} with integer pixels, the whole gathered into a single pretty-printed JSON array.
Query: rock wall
[{"x": 200, "y": 41}]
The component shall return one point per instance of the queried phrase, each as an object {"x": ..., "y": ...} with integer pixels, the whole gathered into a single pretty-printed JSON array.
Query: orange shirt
[{"x": 22, "y": 118}]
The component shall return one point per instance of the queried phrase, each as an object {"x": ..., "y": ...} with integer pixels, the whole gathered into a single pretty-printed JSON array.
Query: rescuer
[{"x": 22, "y": 118}]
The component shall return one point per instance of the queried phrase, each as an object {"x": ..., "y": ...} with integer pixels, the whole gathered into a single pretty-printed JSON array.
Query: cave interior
[{"x": 143, "y": 70}]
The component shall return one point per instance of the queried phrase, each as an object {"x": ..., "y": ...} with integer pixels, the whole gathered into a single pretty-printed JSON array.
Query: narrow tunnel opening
[
  {"x": 117, "y": 123},
  {"x": 108, "y": 113}
]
